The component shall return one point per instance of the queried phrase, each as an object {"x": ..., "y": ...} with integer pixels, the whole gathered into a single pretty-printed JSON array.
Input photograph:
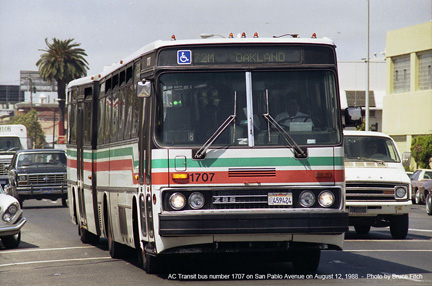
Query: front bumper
[
  {"x": 12, "y": 229},
  {"x": 377, "y": 208},
  {"x": 331, "y": 222},
  {"x": 35, "y": 191}
]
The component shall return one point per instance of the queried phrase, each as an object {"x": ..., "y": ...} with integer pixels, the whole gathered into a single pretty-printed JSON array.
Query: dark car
[{"x": 38, "y": 174}]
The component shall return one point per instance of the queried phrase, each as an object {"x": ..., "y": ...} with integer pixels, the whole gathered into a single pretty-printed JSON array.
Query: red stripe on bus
[{"x": 222, "y": 177}]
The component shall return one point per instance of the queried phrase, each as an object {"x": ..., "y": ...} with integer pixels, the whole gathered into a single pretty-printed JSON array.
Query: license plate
[
  {"x": 357, "y": 210},
  {"x": 46, "y": 191},
  {"x": 280, "y": 199}
]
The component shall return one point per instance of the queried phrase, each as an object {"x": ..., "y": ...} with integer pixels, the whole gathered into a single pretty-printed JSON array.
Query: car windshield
[
  {"x": 193, "y": 107},
  {"x": 363, "y": 148},
  {"x": 37, "y": 159}
]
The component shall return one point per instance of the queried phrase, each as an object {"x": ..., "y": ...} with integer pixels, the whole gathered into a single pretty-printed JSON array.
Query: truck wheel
[
  {"x": 429, "y": 204},
  {"x": 399, "y": 226},
  {"x": 362, "y": 229}
]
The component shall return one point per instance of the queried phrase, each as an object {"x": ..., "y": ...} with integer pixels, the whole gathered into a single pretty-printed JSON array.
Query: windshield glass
[
  {"x": 10, "y": 143},
  {"x": 192, "y": 106},
  {"x": 304, "y": 103},
  {"x": 362, "y": 148},
  {"x": 36, "y": 159}
]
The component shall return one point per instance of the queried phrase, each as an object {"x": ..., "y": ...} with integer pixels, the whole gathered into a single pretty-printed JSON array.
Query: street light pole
[{"x": 367, "y": 72}]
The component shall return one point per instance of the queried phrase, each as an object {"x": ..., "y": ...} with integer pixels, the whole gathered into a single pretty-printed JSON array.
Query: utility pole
[{"x": 367, "y": 71}]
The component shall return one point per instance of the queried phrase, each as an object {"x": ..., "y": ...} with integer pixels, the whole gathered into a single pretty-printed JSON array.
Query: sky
[{"x": 110, "y": 30}]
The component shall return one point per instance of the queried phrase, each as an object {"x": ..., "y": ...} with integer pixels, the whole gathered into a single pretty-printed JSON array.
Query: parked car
[
  {"x": 420, "y": 177},
  {"x": 11, "y": 220},
  {"x": 38, "y": 174},
  {"x": 378, "y": 190},
  {"x": 427, "y": 191}
]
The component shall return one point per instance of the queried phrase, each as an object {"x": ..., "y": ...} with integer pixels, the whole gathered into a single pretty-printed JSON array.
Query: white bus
[
  {"x": 190, "y": 146},
  {"x": 12, "y": 138}
]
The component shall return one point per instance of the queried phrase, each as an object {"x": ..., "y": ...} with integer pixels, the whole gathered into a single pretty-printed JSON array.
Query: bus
[
  {"x": 211, "y": 146},
  {"x": 13, "y": 137}
]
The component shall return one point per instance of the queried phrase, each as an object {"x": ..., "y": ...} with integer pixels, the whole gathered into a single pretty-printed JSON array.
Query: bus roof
[{"x": 196, "y": 42}]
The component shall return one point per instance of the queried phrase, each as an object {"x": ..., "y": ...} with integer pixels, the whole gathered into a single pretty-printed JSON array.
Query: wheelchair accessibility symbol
[{"x": 184, "y": 57}]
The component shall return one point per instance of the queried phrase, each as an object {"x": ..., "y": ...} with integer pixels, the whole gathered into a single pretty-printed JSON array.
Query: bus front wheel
[{"x": 307, "y": 260}]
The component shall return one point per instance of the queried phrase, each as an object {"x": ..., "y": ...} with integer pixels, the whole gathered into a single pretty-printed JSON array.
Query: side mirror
[
  {"x": 144, "y": 88},
  {"x": 406, "y": 159},
  {"x": 353, "y": 116}
]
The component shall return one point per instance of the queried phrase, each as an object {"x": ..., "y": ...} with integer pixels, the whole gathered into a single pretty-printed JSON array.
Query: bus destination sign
[{"x": 231, "y": 55}]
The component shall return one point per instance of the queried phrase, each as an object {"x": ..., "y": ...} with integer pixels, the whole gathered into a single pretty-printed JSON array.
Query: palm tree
[{"x": 63, "y": 61}]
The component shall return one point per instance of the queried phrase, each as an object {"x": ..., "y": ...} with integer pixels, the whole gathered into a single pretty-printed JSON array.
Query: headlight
[
  {"x": 400, "y": 192},
  {"x": 12, "y": 209},
  {"x": 22, "y": 178},
  {"x": 307, "y": 199},
  {"x": 7, "y": 217},
  {"x": 10, "y": 212},
  {"x": 177, "y": 201},
  {"x": 326, "y": 199},
  {"x": 196, "y": 200}
]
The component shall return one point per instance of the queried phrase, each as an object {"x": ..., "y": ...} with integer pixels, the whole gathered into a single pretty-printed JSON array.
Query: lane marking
[
  {"x": 46, "y": 249},
  {"x": 55, "y": 261},
  {"x": 388, "y": 250}
]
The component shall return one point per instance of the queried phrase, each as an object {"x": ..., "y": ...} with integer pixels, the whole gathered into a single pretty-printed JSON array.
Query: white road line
[
  {"x": 44, "y": 249},
  {"x": 421, "y": 230},
  {"x": 387, "y": 250},
  {"x": 55, "y": 261}
]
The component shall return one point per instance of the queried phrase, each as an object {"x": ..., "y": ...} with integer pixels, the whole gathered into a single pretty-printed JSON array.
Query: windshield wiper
[
  {"x": 200, "y": 153},
  {"x": 298, "y": 151}
]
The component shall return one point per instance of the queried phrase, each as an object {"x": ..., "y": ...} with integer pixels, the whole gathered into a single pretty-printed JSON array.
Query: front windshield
[
  {"x": 363, "y": 148},
  {"x": 192, "y": 106},
  {"x": 41, "y": 159},
  {"x": 10, "y": 144}
]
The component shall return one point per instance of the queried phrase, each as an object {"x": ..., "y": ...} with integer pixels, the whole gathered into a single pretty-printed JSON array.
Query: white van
[{"x": 378, "y": 190}]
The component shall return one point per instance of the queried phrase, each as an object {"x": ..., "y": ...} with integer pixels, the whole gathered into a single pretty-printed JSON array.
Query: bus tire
[
  {"x": 399, "y": 226},
  {"x": 307, "y": 260},
  {"x": 88, "y": 237},
  {"x": 150, "y": 263},
  {"x": 114, "y": 248}
]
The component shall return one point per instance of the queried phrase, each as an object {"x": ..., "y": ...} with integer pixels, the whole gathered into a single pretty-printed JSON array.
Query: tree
[
  {"x": 63, "y": 61},
  {"x": 421, "y": 150},
  {"x": 34, "y": 128}
]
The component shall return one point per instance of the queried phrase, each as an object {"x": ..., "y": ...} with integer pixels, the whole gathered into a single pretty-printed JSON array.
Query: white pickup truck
[{"x": 378, "y": 190}]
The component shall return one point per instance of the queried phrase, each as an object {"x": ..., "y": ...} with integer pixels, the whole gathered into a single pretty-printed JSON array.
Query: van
[{"x": 378, "y": 190}]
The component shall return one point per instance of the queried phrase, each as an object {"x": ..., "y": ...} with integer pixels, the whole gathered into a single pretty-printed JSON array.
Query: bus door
[{"x": 80, "y": 163}]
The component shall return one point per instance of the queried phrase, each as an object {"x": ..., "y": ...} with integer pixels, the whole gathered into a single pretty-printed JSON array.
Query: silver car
[{"x": 11, "y": 220}]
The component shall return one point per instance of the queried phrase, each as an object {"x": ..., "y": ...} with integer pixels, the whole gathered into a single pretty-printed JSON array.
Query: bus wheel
[
  {"x": 307, "y": 260},
  {"x": 88, "y": 237},
  {"x": 362, "y": 229},
  {"x": 150, "y": 263},
  {"x": 113, "y": 247},
  {"x": 399, "y": 226}
]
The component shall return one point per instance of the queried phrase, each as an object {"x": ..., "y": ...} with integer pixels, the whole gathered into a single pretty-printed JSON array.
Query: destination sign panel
[{"x": 232, "y": 55}]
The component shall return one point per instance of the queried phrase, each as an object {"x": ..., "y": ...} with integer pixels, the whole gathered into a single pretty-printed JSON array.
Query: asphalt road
[{"x": 51, "y": 253}]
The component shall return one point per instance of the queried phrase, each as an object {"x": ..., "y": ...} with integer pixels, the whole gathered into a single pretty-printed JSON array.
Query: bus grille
[
  {"x": 43, "y": 179},
  {"x": 369, "y": 192}
]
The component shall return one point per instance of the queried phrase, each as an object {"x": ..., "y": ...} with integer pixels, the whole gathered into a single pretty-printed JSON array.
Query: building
[
  {"x": 352, "y": 84},
  {"x": 408, "y": 102}
]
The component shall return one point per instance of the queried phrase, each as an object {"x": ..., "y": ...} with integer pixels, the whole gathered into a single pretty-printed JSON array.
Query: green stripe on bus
[{"x": 257, "y": 162}]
